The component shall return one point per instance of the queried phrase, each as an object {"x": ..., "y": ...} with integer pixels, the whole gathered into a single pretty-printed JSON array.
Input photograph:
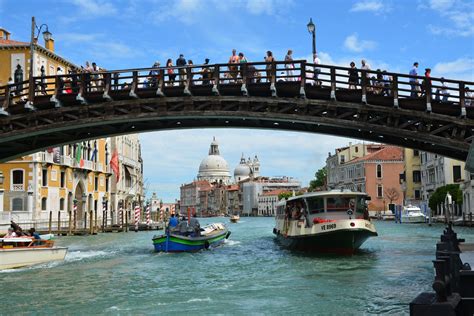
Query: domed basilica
[{"x": 214, "y": 168}]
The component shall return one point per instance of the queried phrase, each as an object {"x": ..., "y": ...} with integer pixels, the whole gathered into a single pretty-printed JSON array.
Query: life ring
[
  {"x": 206, "y": 244},
  {"x": 227, "y": 235}
]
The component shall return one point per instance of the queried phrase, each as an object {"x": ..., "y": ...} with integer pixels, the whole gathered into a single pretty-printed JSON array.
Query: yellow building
[
  {"x": 16, "y": 55},
  {"x": 411, "y": 178},
  {"x": 54, "y": 180}
]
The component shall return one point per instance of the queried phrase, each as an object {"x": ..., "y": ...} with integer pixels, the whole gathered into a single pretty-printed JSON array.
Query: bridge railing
[{"x": 371, "y": 86}]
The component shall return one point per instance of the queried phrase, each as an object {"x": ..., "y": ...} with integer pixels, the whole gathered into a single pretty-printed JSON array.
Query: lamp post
[
  {"x": 47, "y": 37},
  {"x": 312, "y": 31}
]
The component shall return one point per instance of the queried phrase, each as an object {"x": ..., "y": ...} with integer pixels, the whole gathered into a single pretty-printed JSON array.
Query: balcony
[
  {"x": 45, "y": 156},
  {"x": 18, "y": 187}
]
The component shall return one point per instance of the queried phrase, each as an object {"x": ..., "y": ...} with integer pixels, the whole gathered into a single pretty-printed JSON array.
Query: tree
[
  {"x": 288, "y": 194},
  {"x": 320, "y": 181},
  {"x": 439, "y": 195},
  {"x": 392, "y": 194}
]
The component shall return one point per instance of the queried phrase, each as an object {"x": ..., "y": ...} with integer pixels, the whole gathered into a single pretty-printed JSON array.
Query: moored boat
[
  {"x": 17, "y": 252},
  {"x": 211, "y": 235},
  {"x": 413, "y": 214},
  {"x": 234, "y": 218},
  {"x": 328, "y": 221}
]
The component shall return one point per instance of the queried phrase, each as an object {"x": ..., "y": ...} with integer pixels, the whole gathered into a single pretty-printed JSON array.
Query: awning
[{"x": 130, "y": 170}]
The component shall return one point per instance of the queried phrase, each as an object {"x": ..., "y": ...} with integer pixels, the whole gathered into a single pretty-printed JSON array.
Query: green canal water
[{"x": 249, "y": 275}]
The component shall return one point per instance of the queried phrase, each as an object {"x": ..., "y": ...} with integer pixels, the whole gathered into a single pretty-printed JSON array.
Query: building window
[
  {"x": 63, "y": 179},
  {"x": 343, "y": 158},
  {"x": 416, "y": 153},
  {"x": 44, "y": 204},
  {"x": 379, "y": 191},
  {"x": 107, "y": 185},
  {"x": 416, "y": 176},
  {"x": 456, "y": 173},
  {"x": 356, "y": 149},
  {"x": 96, "y": 183},
  {"x": 61, "y": 204},
  {"x": 17, "y": 205},
  {"x": 44, "y": 178},
  {"x": 379, "y": 171},
  {"x": 417, "y": 194},
  {"x": 18, "y": 180},
  {"x": 54, "y": 175},
  {"x": 95, "y": 205}
]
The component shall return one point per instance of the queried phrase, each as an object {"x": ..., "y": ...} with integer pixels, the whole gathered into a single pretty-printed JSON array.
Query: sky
[{"x": 123, "y": 34}]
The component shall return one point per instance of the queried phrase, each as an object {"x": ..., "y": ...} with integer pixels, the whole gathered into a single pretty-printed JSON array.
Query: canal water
[{"x": 248, "y": 275}]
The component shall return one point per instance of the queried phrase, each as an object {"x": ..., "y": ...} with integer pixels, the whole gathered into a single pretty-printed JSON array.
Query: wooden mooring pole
[
  {"x": 70, "y": 223},
  {"x": 50, "y": 221},
  {"x": 126, "y": 221},
  {"x": 95, "y": 216},
  {"x": 59, "y": 223},
  {"x": 91, "y": 226}
]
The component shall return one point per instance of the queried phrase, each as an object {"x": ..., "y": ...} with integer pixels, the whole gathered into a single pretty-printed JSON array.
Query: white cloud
[
  {"x": 457, "y": 15},
  {"x": 353, "y": 44},
  {"x": 461, "y": 69},
  {"x": 441, "y": 4},
  {"x": 375, "y": 6},
  {"x": 94, "y": 8}
]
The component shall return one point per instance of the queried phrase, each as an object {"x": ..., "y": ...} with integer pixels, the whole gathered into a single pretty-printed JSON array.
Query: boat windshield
[{"x": 345, "y": 203}]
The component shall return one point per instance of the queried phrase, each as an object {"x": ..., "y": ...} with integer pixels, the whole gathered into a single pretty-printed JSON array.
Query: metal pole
[
  {"x": 32, "y": 49},
  {"x": 314, "y": 44}
]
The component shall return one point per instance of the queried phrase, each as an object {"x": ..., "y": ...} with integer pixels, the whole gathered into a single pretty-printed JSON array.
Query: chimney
[
  {"x": 4, "y": 34},
  {"x": 49, "y": 45}
]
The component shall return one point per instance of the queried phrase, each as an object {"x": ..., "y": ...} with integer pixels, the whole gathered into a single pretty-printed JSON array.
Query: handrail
[{"x": 323, "y": 75}]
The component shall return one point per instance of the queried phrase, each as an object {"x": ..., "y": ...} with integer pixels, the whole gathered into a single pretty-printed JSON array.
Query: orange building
[{"x": 377, "y": 173}]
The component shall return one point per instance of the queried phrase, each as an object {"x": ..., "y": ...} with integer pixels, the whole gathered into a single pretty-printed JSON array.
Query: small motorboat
[
  {"x": 234, "y": 218},
  {"x": 17, "y": 252},
  {"x": 413, "y": 214},
  {"x": 211, "y": 235}
]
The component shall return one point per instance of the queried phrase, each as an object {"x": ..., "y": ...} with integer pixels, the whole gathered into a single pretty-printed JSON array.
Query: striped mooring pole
[
  {"x": 121, "y": 216},
  {"x": 137, "y": 217},
  {"x": 148, "y": 216}
]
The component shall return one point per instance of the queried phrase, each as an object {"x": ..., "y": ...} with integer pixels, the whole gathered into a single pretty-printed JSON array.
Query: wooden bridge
[{"x": 298, "y": 96}]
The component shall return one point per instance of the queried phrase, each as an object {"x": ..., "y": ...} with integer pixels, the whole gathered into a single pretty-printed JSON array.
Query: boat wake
[
  {"x": 193, "y": 300},
  {"x": 73, "y": 256},
  {"x": 230, "y": 242}
]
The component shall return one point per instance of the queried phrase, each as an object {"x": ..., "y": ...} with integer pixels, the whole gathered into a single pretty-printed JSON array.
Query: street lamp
[
  {"x": 312, "y": 30},
  {"x": 47, "y": 36}
]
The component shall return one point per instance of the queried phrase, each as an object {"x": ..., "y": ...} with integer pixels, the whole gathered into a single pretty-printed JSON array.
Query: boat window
[
  {"x": 315, "y": 205},
  {"x": 361, "y": 206},
  {"x": 340, "y": 204}
]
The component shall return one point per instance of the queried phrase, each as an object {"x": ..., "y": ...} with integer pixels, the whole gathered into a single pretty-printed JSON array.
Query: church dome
[
  {"x": 242, "y": 171},
  {"x": 214, "y": 168},
  {"x": 213, "y": 163}
]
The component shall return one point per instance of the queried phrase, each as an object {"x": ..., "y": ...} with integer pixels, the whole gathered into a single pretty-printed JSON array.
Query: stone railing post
[
  {"x": 161, "y": 83},
  {"x": 303, "y": 79},
  {"x": 395, "y": 91},
  {"x": 216, "y": 75},
  {"x": 333, "y": 83},
  {"x": 462, "y": 98},
  {"x": 363, "y": 83}
]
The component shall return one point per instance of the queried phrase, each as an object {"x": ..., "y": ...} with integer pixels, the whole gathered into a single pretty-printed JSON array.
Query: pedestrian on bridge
[
  {"x": 170, "y": 72},
  {"x": 234, "y": 59},
  {"x": 269, "y": 60},
  {"x": 353, "y": 76},
  {"x": 289, "y": 65},
  {"x": 181, "y": 63},
  {"x": 415, "y": 88}
]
